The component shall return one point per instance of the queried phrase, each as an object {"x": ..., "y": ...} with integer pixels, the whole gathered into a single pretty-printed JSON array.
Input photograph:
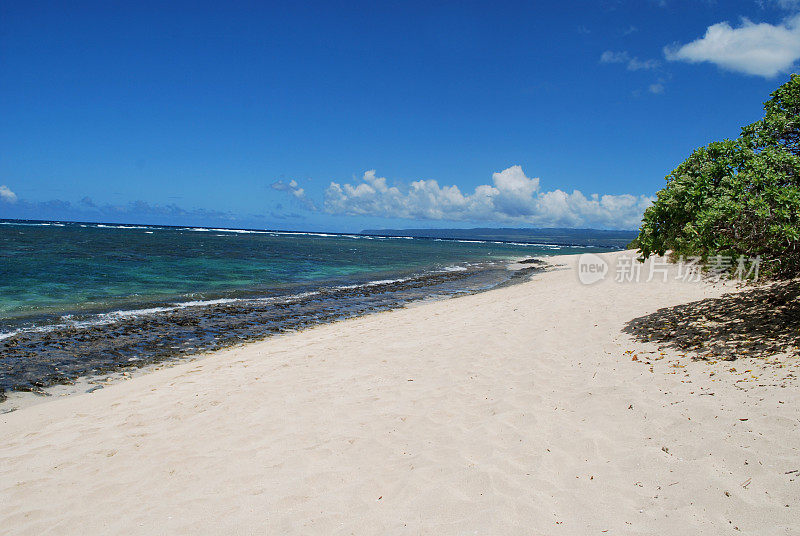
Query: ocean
[{"x": 84, "y": 299}]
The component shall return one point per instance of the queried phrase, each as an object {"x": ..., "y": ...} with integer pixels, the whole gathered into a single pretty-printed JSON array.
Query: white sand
[{"x": 516, "y": 411}]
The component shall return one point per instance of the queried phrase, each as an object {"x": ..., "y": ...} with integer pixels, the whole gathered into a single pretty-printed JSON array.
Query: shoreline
[
  {"x": 520, "y": 270},
  {"x": 517, "y": 410}
]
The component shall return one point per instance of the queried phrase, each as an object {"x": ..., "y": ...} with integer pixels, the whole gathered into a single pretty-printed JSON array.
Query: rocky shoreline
[{"x": 34, "y": 361}]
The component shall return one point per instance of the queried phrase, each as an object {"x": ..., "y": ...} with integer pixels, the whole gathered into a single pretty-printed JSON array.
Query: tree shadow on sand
[{"x": 758, "y": 322}]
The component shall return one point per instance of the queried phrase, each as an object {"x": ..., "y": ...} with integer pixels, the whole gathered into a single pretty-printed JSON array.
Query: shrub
[{"x": 737, "y": 197}]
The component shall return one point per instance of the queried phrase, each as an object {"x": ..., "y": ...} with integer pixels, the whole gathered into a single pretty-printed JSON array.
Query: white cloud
[
  {"x": 633, "y": 63},
  {"x": 293, "y": 188},
  {"x": 511, "y": 198},
  {"x": 290, "y": 187},
  {"x": 7, "y": 195},
  {"x": 756, "y": 49},
  {"x": 789, "y": 5},
  {"x": 636, "y": 64},
  {"x": 657, "y": 88},
  {"x": 610, "y": 56}
]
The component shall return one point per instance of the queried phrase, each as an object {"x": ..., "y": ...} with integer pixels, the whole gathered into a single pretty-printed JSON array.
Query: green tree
[
  {"x": 781, "y": 123},
  {"x": 737, "y": 197}
]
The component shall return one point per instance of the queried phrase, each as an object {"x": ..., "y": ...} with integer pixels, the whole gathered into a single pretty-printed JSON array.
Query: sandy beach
[{"x": 522, "y": 410}]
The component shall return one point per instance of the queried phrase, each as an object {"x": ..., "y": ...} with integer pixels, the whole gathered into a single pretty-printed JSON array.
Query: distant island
[{"x": 548, "y": 235}]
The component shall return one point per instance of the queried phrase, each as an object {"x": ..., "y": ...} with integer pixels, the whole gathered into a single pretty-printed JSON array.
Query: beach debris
[
  {"x": 93, "y": 389},
  {"x": 746, "y": 483}
]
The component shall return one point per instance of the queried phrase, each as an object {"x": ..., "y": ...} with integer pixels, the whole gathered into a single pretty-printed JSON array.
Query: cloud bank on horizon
[{"x": 512, "y": 198}]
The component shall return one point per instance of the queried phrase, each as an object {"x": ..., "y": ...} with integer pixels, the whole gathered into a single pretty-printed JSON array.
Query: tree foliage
[{"x": 737, "y": 197}]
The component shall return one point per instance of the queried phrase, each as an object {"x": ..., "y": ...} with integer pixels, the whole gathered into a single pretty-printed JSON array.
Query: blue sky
[{"x": 342, "y": 116}]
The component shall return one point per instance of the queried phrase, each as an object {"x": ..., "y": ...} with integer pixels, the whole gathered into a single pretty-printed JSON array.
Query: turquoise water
[
  {"x": 89, "y": 299},
  {"x": 67, "y": 267}
]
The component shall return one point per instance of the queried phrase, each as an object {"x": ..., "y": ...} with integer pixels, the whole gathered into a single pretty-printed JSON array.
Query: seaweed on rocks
[{"x": 36, "y": 359}]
